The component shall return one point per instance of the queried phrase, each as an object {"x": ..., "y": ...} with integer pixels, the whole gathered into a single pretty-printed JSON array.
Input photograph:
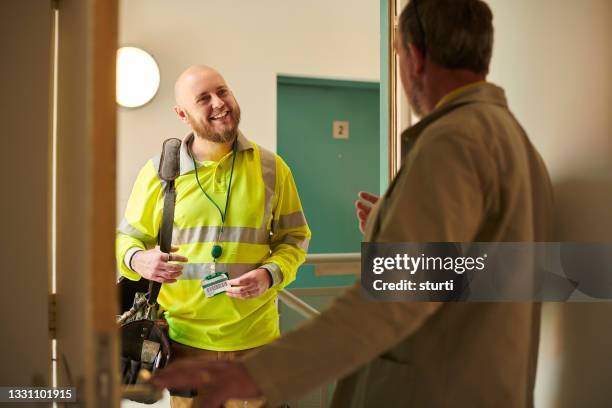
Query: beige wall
[
  {"x": 554, "y": 58},
  {"x": 250, "y": 42}
]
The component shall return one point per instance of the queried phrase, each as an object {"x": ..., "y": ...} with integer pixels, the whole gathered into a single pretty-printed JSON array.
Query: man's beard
[{"x": 206, "y": 132}]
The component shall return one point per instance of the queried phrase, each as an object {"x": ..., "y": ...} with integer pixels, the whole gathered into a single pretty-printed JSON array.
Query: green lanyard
[{"x": 217, "y": 250}]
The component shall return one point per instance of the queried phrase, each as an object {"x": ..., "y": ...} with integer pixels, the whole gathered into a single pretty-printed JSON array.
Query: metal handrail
[
  {"x": 298, "y": 305},
  {"x": 314, "y": 259}
]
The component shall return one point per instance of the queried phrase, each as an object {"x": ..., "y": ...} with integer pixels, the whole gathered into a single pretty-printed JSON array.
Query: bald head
[{"x": 193, "y": 79}]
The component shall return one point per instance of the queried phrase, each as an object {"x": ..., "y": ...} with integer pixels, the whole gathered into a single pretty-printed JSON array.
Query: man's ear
[
  {"x": 417, "y": 57},
  {"x": 182, "y": 115}
]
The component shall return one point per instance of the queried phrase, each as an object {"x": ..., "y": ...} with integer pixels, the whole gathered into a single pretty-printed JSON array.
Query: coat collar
[
  {"x": 485, "y": 92},
  {"x": 186, "y": 163}
]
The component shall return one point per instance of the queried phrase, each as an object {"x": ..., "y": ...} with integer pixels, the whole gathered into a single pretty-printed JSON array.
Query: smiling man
[{"x": 238, "y": 225}]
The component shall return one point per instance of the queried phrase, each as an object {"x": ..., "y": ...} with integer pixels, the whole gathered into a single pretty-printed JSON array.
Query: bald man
[{"x": 239, "y": 232}]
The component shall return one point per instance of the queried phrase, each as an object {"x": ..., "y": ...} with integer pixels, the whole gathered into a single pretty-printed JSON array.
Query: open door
[
  {"x": 26, "y": 29},
  {"x": 389, "y": 135},
  {"x": 395, "y": 112},
  {"x": 87, "y": 346}
]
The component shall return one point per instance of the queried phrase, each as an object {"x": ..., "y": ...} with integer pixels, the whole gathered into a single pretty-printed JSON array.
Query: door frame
[
  {"x": 286, "y": 79},
  {"x": 86, "y": 306}
]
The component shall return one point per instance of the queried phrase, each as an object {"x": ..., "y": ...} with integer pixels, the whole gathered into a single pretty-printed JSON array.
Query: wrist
[
  {"x": 134, "y": 259},
  {"x": 130, "y": 258},
  {"x": 274, "y": 273},
  {"x": 268, "y": 277}
]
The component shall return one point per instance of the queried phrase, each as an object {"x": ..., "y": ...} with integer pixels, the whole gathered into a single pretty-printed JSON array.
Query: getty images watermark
[{"x": 506, "y": 272}]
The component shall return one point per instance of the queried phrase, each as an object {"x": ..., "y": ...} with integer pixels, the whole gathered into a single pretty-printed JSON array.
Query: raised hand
[{"x": 363, "y": 206}]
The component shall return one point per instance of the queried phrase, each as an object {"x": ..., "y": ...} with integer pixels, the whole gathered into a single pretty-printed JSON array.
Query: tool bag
[{"x": 144, "y": 334}]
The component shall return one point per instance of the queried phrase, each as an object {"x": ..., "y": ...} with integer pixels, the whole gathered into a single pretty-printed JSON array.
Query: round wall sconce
[{"x": 137, "y": 77}]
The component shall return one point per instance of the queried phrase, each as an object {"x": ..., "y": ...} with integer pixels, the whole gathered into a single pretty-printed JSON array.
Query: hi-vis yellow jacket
[{"x": 264, "y": 226}]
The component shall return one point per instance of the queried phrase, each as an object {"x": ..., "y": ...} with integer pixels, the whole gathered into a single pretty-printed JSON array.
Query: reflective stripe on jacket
[{"x": 265, "y": 225}]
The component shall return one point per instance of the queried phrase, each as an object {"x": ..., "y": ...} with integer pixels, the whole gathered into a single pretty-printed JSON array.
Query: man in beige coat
[{"x": 469, "y": 173}]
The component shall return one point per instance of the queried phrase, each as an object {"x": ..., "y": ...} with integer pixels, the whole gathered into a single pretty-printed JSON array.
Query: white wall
[
  {"x": 554, "y": 58},
  {"x": 249, "y": 42}
]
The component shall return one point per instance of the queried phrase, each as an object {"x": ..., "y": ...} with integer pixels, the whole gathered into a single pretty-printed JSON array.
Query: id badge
[{"x": 215, "y": 283}]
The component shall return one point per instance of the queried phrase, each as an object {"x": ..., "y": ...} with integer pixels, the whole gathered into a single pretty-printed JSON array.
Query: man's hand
[
  {"x": 363, "y": 207},
  {"x": 250, "y": 285},
  {"x": 216, "y": 381},
  {"x": 156, "y": 265}
]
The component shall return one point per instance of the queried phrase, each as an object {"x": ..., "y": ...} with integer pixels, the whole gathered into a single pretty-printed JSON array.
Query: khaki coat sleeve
[{"x": 438, "y": 196}]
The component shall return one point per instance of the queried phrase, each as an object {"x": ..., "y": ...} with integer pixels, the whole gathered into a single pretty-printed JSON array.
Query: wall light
[{"x": 137, "y": 77}]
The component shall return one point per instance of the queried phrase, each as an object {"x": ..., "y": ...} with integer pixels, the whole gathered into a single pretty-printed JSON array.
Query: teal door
[{"x": 329, "y": 172}]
